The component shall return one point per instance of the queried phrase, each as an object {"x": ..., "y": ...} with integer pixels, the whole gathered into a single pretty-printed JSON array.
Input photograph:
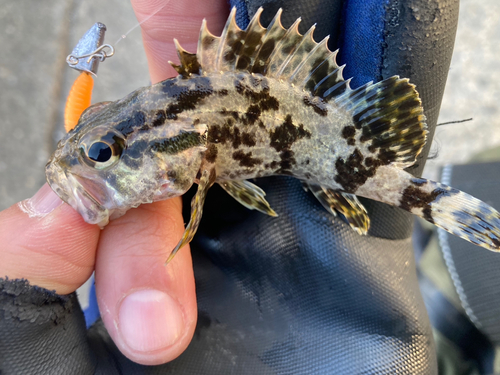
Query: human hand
[{"x": 148, "y": 309}]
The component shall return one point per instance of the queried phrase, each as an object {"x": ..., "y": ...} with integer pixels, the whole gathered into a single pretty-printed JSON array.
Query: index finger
[{"x": 149, "y": 309}]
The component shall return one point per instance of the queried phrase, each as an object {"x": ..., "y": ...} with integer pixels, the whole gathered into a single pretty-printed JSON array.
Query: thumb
[{"x": 46, "y": 242}]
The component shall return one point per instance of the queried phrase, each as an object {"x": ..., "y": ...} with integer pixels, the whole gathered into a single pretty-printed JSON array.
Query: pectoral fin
[
  {"x": 249, "y": 195},
  {"x": 206, "y": 181},
  {"x": 346, "y": 204}
]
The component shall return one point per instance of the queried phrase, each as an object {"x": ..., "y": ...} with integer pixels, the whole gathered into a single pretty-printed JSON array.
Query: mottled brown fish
[{"x": 253, "y": 103}]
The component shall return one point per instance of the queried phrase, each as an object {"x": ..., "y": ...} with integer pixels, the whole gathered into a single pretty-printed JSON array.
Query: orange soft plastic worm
[{"x": 78, "y": 100}]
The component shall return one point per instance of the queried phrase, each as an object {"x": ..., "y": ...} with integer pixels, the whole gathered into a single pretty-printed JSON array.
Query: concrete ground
[
  {"x": 36, "y": 37},
  {"x": 472, "y": 89}
]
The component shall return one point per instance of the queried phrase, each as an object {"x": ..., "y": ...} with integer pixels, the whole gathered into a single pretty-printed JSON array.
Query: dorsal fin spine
[
  {"x": 290, "y": 57},
  {"x": 343, "y": 98},
  {"x": 276, "y": 18},
  {"x": 350, "y": 97},
  {"x": 274, "y": 63},
  {"x": 273, "y": 29},
  {"x": 231, "y": 23},
  {"x": 337, "y": 71},
  {"x": 179, "y": 49},
  {"x": 307, "y": 38},
  {"x": 294, "y": 76},
  {"x": 207, "y": 42},
  {"x": 315, "y": 76},
  {"x": 334, "y": 88},
  {"x": 256, "y": 27}
]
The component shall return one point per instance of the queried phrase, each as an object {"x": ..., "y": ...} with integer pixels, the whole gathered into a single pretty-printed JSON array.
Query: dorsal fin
[
  {"x": 273, "y": 52},
  {"x": 238, "y": 47},
  {"x": 208, "y": 45},
  {"x": 283, "y": 50},
  {"x": 388, "y": 114},
  {"x": 389, "y": 118},
  {"x": 274, "y": 33},
  {"x": 229, "y": 45},
  {"x": 293, "y": 59},
  {"x": 189, "y": 62}
]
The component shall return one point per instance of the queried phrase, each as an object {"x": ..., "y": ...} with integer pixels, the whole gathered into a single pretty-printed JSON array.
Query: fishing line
[
  {"x": 454, "y": 122},
  {"x": 436, "y": 146},
  {"x": 434, "y": 151},
  {"x": 123, "y": 36}
]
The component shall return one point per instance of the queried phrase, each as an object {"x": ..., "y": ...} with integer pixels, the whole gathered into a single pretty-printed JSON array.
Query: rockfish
[{"x": 254, "y": 103}]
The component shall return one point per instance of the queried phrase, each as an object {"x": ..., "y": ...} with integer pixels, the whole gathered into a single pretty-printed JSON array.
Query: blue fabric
[
  {"x": 362, "y": 38},
  {"x": 91, "y": 313},
  {"x": 242, "y": 18}
]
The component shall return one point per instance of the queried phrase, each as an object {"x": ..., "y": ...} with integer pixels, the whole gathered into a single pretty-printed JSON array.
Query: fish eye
[
  {"x": 100, "y": 152},
  {"x": 103, "y": 152}
]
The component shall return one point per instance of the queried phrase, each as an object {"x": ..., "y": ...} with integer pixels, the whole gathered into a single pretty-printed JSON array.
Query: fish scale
[{"x": 254, "y": 103}]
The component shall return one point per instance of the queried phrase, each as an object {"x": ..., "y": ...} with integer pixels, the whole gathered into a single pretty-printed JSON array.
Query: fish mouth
[{"x": 68, "y": 187}]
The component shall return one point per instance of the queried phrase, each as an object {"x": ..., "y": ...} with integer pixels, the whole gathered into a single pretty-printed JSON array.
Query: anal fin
[
  {"x": 249, "y": 195},
  {"x": 346, "y": 204},
  {"x": 207, "y": 179}
]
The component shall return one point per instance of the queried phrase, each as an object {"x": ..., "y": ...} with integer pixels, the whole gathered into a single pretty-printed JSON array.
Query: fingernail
[
  {"x": 42, "y": 203},
  {"x": 150, "y": 320}
]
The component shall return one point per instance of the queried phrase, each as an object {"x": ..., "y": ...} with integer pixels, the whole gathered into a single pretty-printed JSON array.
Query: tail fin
[
  {"x": 450, "y": 209},
  {"x": 454, "y": 211},
  {"x": 458, "y": 213}
]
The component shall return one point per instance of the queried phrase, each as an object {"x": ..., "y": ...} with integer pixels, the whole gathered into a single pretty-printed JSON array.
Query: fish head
[{"x": 109, "y": 163}]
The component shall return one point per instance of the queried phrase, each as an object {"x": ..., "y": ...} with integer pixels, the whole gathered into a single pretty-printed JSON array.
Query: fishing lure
[
  {"x": 85, "y": 58},
  {"x": 78, "y": 100},
  {"x": 254, "y": 103}
]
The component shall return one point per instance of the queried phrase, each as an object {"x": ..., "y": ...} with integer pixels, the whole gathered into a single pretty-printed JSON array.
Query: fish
[{"x": 254, "y": 103}]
